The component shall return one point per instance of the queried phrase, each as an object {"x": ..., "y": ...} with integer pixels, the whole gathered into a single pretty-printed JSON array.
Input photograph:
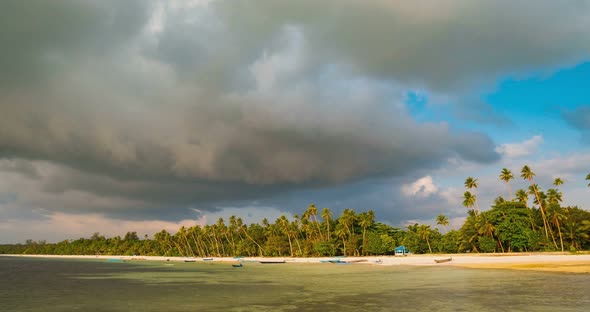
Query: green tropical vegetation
[{"x": 509, "y": 225}]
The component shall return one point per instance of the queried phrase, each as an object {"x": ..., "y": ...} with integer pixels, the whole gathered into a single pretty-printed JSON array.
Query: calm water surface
[{"x": 30, "y": 284}]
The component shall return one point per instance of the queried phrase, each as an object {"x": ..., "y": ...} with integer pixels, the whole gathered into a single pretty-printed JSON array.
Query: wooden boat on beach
[
  {"x": 443, "y": 260},
  {"x": 272, "y": 261}
]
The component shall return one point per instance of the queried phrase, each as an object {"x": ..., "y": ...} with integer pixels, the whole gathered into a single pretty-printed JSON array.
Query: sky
[{"x": 144, "y": 115}]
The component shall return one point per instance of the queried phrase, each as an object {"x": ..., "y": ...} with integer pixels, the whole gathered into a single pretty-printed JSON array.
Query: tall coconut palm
[
  {"x": 471, "y": 183},
  {"x": 443, "y": 221},
  {"x": 468, "y": 200},
  {"x": 527, "y": 174},
  {"x": 506, "y": 176}
]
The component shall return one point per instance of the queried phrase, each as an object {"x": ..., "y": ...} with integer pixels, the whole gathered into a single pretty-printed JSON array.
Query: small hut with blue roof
[{"x": 401, "y": 251}]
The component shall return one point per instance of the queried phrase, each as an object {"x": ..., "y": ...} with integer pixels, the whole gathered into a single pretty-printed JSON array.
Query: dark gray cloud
[
  {"x": 141, "y": 109},
  {"x": 441, "y": 46},
  {"x": 39, "y": 37},
  {"x": 579, "y": 118}
]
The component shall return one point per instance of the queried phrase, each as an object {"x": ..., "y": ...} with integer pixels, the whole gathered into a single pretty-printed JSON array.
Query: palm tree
[
  {"x": 554, "y": 196},
  {"x": 424, "y": 232},
  {"x": 366, "y": 219},
  {"x": 284, "y": 223},
  {"x": 327, "y": 216},
  {"x": 506, "y": 176},
  {"x": 527, "y": 174},
  {"x": 486, "y": 228},
  {"x": 341, "y": 233},
  {"x": 312, "y": 212},
  {"x": 557, "y": 182},
  {"x": 555, "y": 215},
  {"x": 576, "y": 232},
  {"x": 588, "y": 179},
  {"x": 522, "y": 196},
  {"x": 468, "y": 200},
  {"x": 499, "y": 200},
  {"x": 471, "y": 183},
  {"x": 442, "y": 220}
]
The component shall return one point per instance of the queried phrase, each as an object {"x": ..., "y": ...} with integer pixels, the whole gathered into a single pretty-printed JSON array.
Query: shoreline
[{"x": 548, "y": 262}]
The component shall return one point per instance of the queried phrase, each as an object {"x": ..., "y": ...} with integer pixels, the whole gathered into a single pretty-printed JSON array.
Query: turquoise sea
[{"x": 35, "y": 284}]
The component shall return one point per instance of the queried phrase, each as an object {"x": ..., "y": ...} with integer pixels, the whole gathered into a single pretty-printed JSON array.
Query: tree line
[{"x": 510, "y": 225}]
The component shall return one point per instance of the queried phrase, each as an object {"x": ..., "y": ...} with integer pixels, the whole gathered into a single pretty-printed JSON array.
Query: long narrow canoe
[
  {"x": 272, "y": 261},
  {"x": 443, "y": 260}
]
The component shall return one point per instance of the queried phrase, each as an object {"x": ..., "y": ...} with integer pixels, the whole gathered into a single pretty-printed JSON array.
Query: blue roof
[{"x": 401, "y": 248}]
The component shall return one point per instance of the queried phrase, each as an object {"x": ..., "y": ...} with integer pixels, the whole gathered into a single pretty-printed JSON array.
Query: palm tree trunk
[
  {"x": 545, "y": 223},
  {"x": 560, "y": 236},
  {"x": 428, "y": 243},
  {"x": 364, "y": 240},
  {"x": 261, "y": 250},
  {"x": 501, "y": 246},
  {"x": 290, "y": 245}
]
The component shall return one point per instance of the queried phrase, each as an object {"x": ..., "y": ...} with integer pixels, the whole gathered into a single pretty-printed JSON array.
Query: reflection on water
[{"x": 86, "y": 285}]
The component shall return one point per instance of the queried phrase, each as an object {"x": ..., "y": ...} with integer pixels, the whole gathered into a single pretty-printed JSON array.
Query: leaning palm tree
[
  {"x": 506, "y": 176},
  {"x": 469, "y": 200},
  {"x": 442, "y": 220},
  {"x": 527, "y": 174},
  {"x": 366, "y": 220},
  {"x": 424, "y": 232},
  {"x": 555, "y": 214},
  {"x": 327, "y": 216},
  {"x": 471, "y": 183}
]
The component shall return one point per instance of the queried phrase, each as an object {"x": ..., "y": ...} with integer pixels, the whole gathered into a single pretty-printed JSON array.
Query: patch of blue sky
[{"x": 536, "y": 106}]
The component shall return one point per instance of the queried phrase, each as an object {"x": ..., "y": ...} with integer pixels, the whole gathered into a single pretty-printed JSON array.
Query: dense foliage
[{"x": 508, "y": 226}]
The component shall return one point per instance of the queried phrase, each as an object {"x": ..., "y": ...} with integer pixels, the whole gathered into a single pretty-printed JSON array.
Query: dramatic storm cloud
[{"x": 149, "y": 110}]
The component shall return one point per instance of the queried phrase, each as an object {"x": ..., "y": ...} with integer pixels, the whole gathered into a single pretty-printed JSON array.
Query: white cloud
[
  {"x": 421, "y": 187},
  {"x": 525, "y": 148}
]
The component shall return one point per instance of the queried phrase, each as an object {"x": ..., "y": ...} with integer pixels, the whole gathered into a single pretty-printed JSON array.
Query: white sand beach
[{"x": 576, "y": 263}]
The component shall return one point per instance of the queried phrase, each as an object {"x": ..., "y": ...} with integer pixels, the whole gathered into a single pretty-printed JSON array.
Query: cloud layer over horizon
[{"x": 148, "y": 110}]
